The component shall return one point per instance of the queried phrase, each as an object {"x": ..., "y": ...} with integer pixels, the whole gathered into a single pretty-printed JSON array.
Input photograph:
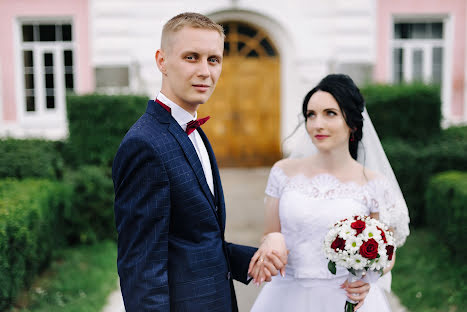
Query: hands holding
[
  {"x": 270, "y": 259},
  {"x": 356, "y": 291}
]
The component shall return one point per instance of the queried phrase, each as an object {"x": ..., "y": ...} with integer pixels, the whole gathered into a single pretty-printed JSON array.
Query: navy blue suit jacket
[{"x": 172, "y": 255}]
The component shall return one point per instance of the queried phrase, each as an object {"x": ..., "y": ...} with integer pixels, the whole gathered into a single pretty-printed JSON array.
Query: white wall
[{"x": 314, "y": 38}]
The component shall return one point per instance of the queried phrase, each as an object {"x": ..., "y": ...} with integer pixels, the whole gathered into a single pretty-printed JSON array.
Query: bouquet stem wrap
[{"x": 350, "y": 304}]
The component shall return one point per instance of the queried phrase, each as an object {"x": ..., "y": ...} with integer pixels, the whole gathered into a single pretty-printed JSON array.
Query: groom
[{"x": 169, "y": 204}]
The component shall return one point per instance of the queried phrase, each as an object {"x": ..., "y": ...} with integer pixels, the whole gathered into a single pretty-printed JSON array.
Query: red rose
[
  {"x": 390, "y": 251},
  {"x": 358, "y": 225},
  {"x": 369, "y": 249},
  {"x": 383, "y": 236},
  {"x": 338, "y": 243}
]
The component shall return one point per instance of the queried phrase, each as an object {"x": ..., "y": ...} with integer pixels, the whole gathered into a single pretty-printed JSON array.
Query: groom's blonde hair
[{"x": 194, "y": 20}]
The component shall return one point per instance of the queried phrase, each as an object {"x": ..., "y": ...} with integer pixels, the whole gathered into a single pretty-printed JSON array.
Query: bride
[{"x": 305, "y": 196}]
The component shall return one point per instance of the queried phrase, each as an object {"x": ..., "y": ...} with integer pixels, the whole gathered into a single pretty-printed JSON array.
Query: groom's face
[{"x": 191, "y": 65}]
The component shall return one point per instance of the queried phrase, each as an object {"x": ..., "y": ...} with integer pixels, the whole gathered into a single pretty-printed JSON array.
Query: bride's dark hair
[{"x": 350, "y": 101}]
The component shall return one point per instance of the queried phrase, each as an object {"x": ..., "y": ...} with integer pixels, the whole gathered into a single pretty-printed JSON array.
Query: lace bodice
[{"x": 309, "y": 206}]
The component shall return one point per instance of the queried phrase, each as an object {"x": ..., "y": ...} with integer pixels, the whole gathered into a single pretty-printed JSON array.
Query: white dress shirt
[{"x": 183, "y": 118}]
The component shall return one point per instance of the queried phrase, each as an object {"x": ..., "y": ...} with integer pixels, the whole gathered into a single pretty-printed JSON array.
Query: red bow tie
[{"x": 192, "y": 125}]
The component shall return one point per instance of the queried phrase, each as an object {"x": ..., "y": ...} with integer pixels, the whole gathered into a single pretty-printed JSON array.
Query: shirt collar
[{"x": 181, "y": 116}]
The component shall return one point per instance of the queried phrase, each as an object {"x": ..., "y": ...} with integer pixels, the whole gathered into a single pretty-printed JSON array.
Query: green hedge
[
  {"x": 414, "y": 164},
  {"x": 30, "y": 158},
  {"x": 97, "y": 124},
  {"x": 446, "y": 200},
  {"x": 409, "y": 112},
  {"x": 90, "y": 217},
  {"x": 30, "y": 228}
]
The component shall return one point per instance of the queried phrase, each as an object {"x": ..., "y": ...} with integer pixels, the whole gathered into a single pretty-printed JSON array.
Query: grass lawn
[
  {"x": 426, "y": 279},
  {"x": 79, "y": 279}
]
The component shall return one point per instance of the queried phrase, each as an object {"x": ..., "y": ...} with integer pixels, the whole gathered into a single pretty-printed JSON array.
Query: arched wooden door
[{"x": 245, "y": 107}]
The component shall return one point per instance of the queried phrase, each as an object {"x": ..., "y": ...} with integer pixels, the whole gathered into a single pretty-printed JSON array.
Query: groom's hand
[{"x": 270, "y": 259}]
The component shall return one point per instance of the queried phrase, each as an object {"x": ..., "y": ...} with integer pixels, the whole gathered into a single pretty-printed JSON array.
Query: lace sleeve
[
  {"x": 276, "y": 182},
  {"x": 392, "y": 209}
]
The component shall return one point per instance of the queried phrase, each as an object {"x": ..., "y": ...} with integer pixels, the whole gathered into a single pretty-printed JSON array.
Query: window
[
  {"x": 417, "y": 52},
  {"x": 112, "y": 77},
  {"x": 48, "y": 67}
]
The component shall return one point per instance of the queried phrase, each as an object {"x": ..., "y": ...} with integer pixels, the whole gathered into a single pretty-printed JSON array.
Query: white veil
[{"x": 372, "y": 156}]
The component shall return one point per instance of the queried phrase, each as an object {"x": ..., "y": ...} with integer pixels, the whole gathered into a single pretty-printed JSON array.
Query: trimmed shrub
[
  {"x": 90, "y": 217},
  {"x": 446, "y": 199},
  {"x": 409, "y": 112},
  {"x": 30, "y": 158},
  {"x": 30, "y": 228},
  {"x": 97, "y": 124},
  {"x": 414, "y": 164}
]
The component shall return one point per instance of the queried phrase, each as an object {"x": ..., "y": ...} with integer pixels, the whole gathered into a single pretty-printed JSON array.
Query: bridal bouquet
[{"x": 362, "y": 245}]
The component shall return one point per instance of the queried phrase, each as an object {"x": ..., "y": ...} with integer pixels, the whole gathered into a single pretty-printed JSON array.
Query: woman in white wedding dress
[{"x": 306, "y": 196}]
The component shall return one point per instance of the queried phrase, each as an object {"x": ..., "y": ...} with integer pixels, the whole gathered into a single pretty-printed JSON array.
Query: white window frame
[
  {"x": 41, "y": 117},
  {"x": 426, "y": 44}
]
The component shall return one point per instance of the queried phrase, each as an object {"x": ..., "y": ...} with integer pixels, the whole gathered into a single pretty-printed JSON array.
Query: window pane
[
  {"x": 437, "y": 73},
  {"x": 30, "y": 104},
  {"x": 47, "y": 33},
  {"x": 240, "y": 45},
  {"x": 69, "y": 84},
  {"x": 437, "y": 30},
  {"x": 66, "y": 32},
  {"x": 48, "y": 59},
  {"x": 68, "y": 57},
  {"x": 68, "y": 60},
  {"x": 402, "y": 30},
  {"x": 398, "y": 65},
  {"x": 28, "y": 33},
  {"x": 417, "y": 73},
  {"x": 268, "y": 47},
  {"x": 252, "y": 53},
  {"x": 29, "y": 81},
  {"x": 49, "y": 80},
  {"x": 397, "y": 30},
  {"x": 28, "y": 60},
  {"x": 418, "y": 31},
  {"x": 246, "y": 30},
  {"x": 226, "y": 48},
  {"x": 50, "y": 104}
]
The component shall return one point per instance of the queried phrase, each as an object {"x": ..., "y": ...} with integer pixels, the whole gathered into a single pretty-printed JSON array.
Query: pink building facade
[
  {"x": 425, "y": 40},
  {"x": 51, "y": 47},
  {"x": 45, "y": 53}
]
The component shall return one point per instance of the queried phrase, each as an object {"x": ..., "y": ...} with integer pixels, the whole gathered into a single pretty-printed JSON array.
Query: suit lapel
[
  {"x": 187, "y": 146},
  {"x": 193, "y": 160},
  {"x": 218, "y": 192}
]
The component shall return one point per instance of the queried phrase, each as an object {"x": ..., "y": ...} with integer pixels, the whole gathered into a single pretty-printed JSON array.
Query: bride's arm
[{"x": 272, "y": 253}]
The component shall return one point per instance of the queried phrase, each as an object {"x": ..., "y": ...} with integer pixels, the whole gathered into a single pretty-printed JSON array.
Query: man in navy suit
[{"x": 169, "y": 203}]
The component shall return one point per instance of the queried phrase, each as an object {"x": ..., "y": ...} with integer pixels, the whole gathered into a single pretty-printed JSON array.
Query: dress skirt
[{"x": 320, "y": 295}]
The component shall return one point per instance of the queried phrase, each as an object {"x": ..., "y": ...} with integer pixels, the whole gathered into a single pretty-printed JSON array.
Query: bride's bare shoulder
[
  {"x": 291, "y": 166},
  {"x": 372, "y": 175}
]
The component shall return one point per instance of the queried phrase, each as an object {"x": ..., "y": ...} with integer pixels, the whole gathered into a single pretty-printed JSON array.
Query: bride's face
[{"x": 325, "y": 123}]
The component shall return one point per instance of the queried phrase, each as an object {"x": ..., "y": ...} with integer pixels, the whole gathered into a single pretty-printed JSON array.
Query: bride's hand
[
  {"x": 356, "y": 291},
  {"x": 270, "y": 258}
]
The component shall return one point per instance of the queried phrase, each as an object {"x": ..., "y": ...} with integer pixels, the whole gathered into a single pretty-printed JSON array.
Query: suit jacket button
[
  {"x": 228, "y": 275},
  {"x": 217, "y": 208}
]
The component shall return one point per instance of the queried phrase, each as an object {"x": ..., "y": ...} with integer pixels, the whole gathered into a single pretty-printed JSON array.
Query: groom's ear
[{"x": 161, "y": 61}]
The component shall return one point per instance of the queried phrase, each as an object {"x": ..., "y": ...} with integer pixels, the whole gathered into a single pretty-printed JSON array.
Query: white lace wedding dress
[{"x": 308, "y": 207}]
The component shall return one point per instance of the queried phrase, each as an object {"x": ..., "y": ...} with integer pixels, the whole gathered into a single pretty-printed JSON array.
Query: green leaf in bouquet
[
  {"x": 332, "y": 267},
  {"x": 381, "y": 272},
  {"x": 352, "y": 270}
]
